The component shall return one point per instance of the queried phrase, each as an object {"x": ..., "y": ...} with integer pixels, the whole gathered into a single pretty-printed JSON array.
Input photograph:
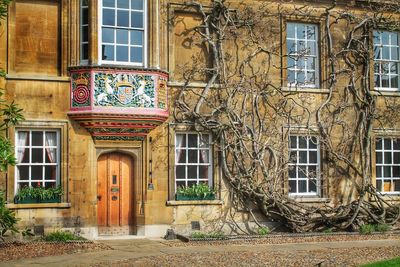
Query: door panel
[{"x": 115, "y": 194}]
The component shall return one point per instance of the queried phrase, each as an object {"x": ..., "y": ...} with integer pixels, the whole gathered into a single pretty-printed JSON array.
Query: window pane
[
  {"x": 203, "y": 172},
  {"x": 37, "y": 138},
  {"x": 50, "y": 172},
  {"x": 302, "y": 142},
  {"x": 302, "y": 157},
  {"x": 396, "y": 185},
  {"x": 109, "y": 3},
  {"x": 24, "y": 156},
  {"x": 137, "y": 4},
  {"x": 300, "y": 78},
  {"x": 123, "y": 18},
  {"x": 108, "y": 35},
  {"x": 302, "y": 186},
  {"x": 122, "y": 53},
  {"x": 312, "y": 156},
  {"x": 192, "y": 172},
  {"x": 122, "y": 3},
  {"x": 291, "y": 46},
  {"x": 378, "y": 171},
  {"x": 23, "y": 172},
  {"x": 388, "y": 157},
  {"x": 180, "y": 172},
  {"x": 388, "y": 143},
  {"x": 48, "y": 185},
  {"x": 311, "y": 32},
  {"x": 293, "y": 156},
  {"x": 291, "y": 77},
  {"x": 192, "y": 140},
  {"x": 378, "y": 143},
  {"x": 85, "y": 34},
  {"x": 396, "y": 171},
  {"x": 37, "y": 155},
  {"x": 292, "y": 172},
  {"x": 122, "y": 36},
  {"x": 204, "y": 156},
  {"x": 312, "y": 172},
  {"x": 312, "y": 143},
  {"x": 36, "y": 172},
  {"x": 396, "y": 159},
  {"x": 136, "y": 37},
  {"x": 204, "y": 141},
  {"x": 292, "y": 186},
  {"x": 85, "y": 15},
  {"x": 301, "y": 31},
  {"x": 312, "y": 186},
  {"x": 181, "y": 156},
  {"x": 387, "y": 171},
  {"x": 396, "y": 144},
  {"x": 136, "y": 54},
  {"x": 109, "y": 17},
  {"x": 293, "y": 141},
  {"x": 180, "y": 140},
  {"x": 301, "y": 172},
  {"x": 192, "y": 157},
  {"x": 136, "y": 19},
  {"x": 108, "y": 52},
  {"x": 50, "y": 155}
]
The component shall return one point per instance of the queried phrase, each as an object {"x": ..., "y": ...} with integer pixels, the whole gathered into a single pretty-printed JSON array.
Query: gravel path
[
  {"x": 20, "y": 250},
  {"x": 333, "y": 257}
]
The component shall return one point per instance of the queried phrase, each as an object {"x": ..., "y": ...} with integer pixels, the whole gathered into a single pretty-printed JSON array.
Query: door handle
[{"x": 99, "y": 198}]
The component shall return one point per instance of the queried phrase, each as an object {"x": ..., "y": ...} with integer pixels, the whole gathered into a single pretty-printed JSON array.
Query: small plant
[
  {"x": 328, "y": 231},
  {"x": 263, "y": 231},
  {"x": 199, "y": 191},
  {"x": 61, "y": 236},
  {"x": 8, "y": 220},
  {"x": 381, "y": 227},
  {"x": 367, "y": 229},
  {"x": 200, "y": 235}
]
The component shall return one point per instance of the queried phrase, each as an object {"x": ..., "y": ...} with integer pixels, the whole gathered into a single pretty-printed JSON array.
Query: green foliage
[
  {"x": 382, "y": 228},
  {"x": 8, "y": 220},
  {"x": 39, "y": 193},
  {"x": 367, "y": 229},
  {"x": 388, "y": 263},
  {"x": 61, "y": 236},
  {"x": 201, "y": 235},
  {"x": 263, "y": 231},
  {"x": 3, "y": 8},
  {"x": 201, "y": 191},
  {"x": 328, "y": 231}
]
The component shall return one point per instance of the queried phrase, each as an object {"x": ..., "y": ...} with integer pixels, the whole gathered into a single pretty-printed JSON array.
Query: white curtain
[
  {"x": 51, "y": 140},
  {"x": 178, "y": 144},
  {"x": 22, "y": 141}
]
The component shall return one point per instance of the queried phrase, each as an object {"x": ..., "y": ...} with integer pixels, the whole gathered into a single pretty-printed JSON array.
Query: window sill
[
  {"x": 378, "y": 92},
  {"x": 307, "y": 199},
  {"x": 39, "y": 206},
  {"x": 194, "y": 202},
  {"x": 305, "y": 90}
]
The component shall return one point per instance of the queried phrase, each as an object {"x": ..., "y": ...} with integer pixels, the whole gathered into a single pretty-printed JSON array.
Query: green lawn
[{"x": 389, "y": 263}]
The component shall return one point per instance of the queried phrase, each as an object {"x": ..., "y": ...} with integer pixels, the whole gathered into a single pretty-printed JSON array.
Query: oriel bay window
[
  {"x": 38, "y": 158},
  {"x": 123, "y": 24},
  {"x": 193, "y": 159},
  {"x": 304, "y": 162}
]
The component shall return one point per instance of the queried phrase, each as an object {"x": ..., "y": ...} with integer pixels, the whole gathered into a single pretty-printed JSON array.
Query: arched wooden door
[{"x": 115, "y": 194}]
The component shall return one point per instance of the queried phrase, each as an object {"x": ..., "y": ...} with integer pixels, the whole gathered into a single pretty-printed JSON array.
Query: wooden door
[{"x": 115, "y": 194}]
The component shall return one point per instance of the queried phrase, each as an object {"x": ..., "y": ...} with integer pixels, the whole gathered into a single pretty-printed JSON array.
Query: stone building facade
[{"x": 97, "y": 79}]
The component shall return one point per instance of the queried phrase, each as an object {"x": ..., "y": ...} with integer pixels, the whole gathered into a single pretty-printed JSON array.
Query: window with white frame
[
  {"x": 123, "y": 24},
  {"x": 302, "y": 55},
  {"x": 387, "y": 158},
  {"x": 193, "y": 159},
  {"x": 387, "y": 60},
  {"x": 38, "y": 158},
  {"x": 84, "y": 31},
  {"x": 304, "y": 178}
]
